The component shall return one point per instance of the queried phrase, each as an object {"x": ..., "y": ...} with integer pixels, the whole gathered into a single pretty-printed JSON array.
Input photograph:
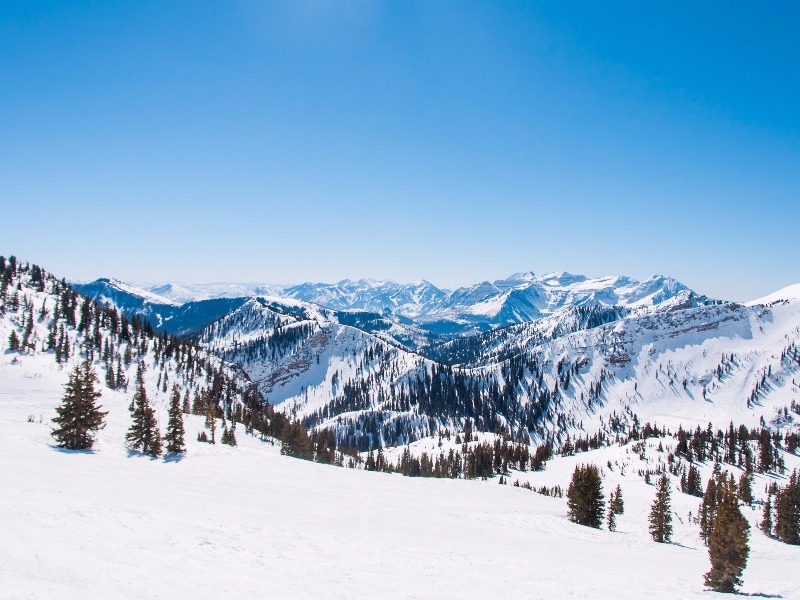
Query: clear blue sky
[{"x": 455, "y": 141}]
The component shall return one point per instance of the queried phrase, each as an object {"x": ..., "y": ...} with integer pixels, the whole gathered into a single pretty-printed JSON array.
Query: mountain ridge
[{"x": 433, "y": 314}]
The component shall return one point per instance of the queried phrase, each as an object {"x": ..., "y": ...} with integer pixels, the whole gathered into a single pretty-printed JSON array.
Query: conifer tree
[
  {"x": 727, "y": 542},
  {"x": 13, "y": 342},
  {"x": 154, "y": 448},
  {"x": 175, "y": 430},
  {"x": 617, "y": 505},
  {"x": 766, "y": 518},
  {"x": 585, "y": 496},
  {"x": 708, "y": 508},
  {"x": 661, "y": 513},
  {"x": 211, "y": 421},
  {"x": 746, "y": 489},
  {"x": 611, "y": 521},
  {"x": 79, "y": 416},
  {"x": 119, "y": 378},
  {"x": 110, "y": 381},
  {"x": 143, "y": 432},
  {"x": 692, "y": 484},
  {"x": 787, "y": 511}
]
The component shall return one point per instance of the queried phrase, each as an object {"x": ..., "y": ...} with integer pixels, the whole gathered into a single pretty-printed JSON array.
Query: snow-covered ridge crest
[
  {"x": 790, "y": 293},
  {"x": 107, "y": 286}
]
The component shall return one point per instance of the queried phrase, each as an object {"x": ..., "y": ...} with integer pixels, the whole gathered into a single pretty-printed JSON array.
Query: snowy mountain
[
  {"x": 526, "y": 297},
  {"x": 182, "y": 293},
  {"x": 422, "y": 313},
  {"x": 583, "y": 370},
  {"x": 165, "y": 314},
  {"x": 408, "y": 300}
]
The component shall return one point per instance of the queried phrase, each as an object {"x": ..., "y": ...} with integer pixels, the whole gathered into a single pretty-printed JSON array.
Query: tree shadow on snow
[
  {"x": 173, "y": 458},
  {"x": 134, "y": 453},
  {"x": 70, "y": 451},
  {"x": 679, "y": 545}
]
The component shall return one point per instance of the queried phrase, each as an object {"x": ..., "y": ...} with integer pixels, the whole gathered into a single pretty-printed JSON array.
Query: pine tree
[
  {"x": 110, "y": 381},
  {"x": 661, "y": 513},
  {"x": 746, "y": 489},
  {"x": 119, "y": 379},
  {"x": 79, "y": 416},
  {"x": 211, "y": 421},
  {"x": 766, "y": 518},
  {"x": 617, "y": 505},
  {"x": 143, "y": 432},
  {"x": 708, "y": 509},
  {"x": 611, "y": 521},
  {"x": 13, "y": 341},
  {"x": 692, "y": 484},
  {"x": 727, "y": 542},
  {"x": 154, "y": 447},
  {"x": 175, "y": 429},
  {"x": 787, "y": 511},
  {"x": 585, "y": 499}
]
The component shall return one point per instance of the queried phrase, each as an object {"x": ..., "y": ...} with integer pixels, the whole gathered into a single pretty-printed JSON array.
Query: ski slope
[{"x": 246, "y": 522}]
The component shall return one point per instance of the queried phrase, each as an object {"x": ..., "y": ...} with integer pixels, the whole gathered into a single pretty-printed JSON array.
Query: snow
[
  {"x": 790, "y": 293},
  {"x": 182, "y": 293},
  {"x": 107, "y": 288},
  {"x": 247, "y": 522}
]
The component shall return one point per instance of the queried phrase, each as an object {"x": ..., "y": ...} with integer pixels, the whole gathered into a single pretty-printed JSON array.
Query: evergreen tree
[
  {"x": 119, "y": 379},
  {"x": 79, "y": 416},
  {"x": 295, "y": 441},
  {"x": 727, "y": 541},
  {"x": 661, "y": 513},
  {"x": 746, "y": 489},
  {"x": 692, "y": 484},
  {"x": 617, "y": 505},
  {"x": 13, "y": 341},
  {"x": 211, "y": 421},
  {"x": 175, "y": 430},
  {"x": 232, "y": 435},
  {"x": 766, "y": 518},
  {"x": 154, "y": 448},
  {"x": 143, "y": 432},
  {"x": 611, "y": 521},
  {"x": 110, "y": 381},
  {"x": 708, "y": 508},
  {"x": 787, "y": 511},
  {"x": 585, "y": 496}
]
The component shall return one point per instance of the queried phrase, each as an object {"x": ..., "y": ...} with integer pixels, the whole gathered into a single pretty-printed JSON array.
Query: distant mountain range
[{"x": 417, "y": 313}]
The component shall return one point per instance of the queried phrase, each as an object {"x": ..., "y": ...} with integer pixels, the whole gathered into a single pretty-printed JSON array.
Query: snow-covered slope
[
  {"x": 790, "y": 293},
  {"x": 246, "y": 522},
  {"x": 56, "y": 328}
]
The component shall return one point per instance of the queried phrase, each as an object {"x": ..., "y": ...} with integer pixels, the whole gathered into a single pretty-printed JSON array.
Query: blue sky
[{"x": 453, "y": 141}]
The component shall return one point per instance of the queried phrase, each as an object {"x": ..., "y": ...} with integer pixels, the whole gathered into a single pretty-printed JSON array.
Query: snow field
[{"x": 247, "y": 522}]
